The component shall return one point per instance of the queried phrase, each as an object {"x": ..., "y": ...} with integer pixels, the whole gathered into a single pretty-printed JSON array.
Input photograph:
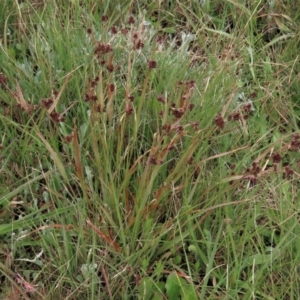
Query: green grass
[{"x": 149, "y": 150}]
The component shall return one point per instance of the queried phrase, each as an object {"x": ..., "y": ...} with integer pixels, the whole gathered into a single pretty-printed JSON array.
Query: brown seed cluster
[
  {"x": 160, "y": 98},
  {"x": 295, "y": 143},
  {"x": 47, "y": 103},
  {"x": 152, "y": 64},
  {"x": 175, "y": 126},
  {"x": 102, "y": 48},
  {"x": 104, "y": 18},
  {"x": 240, "y": 115},
  {"x": 219, "y": 121},
  {"x": 56, "y": 117},
  {"x": 253, "y": 173}
]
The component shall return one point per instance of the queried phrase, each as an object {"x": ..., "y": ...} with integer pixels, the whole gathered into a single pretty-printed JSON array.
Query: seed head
[
  {"x": 152, "y": 64},
  {"x": 104, "y": 18},
  {"x": 111, "y": 87},
  {"x": 160, "y": 98},
  {"x": 131, "y": 98},
  {"x": 219, "y": 121},
  {"x": 114, "y": 30},
  {"x": 131, "y": 20}
]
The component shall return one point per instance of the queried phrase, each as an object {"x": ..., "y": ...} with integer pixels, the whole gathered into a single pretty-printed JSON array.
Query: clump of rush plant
[{"x": 149, "y": 151}]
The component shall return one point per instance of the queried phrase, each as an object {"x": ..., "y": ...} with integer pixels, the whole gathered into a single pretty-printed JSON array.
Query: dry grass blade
[
  {"x": 52, "y": 107},
  {"x": 52, "y": 226},
  {"x": 107, "y": 282},
  {"x": 77, "y": 155},
  {"x": 106, "y": 238},
  {"x": 20, "y": 98},
  {"x": 225, "y": 153}
]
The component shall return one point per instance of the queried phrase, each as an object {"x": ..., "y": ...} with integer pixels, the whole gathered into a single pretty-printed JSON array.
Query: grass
[{"x": 149, "y": 150}]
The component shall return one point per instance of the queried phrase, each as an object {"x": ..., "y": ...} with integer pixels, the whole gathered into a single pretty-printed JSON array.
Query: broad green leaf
[{"x": 173, "y": 286}]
